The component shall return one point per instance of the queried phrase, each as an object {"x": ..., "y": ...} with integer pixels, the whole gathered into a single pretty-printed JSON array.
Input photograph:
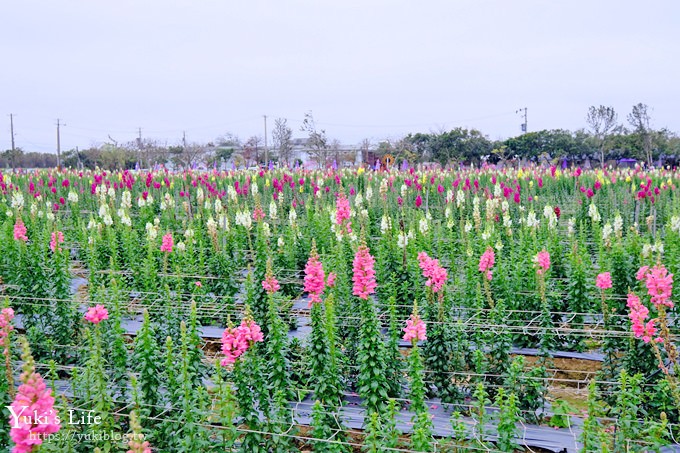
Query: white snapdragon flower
[
  {"x": 423, "y": 226},
  {"x": 532, "y": 221},
  {"x": 571, "y": 226},
  {"x": 385, "y": 224},
  {"x": 593, "y": 213},
  {"x": 126, "y": 200},
  {"x": 402, "y": 240},
  {"x": 460, "y": 198},
  {"x": 151, "y": 231},
  {"x": 17, "y": 200},
  {"x": 618, "y": 225},
  {"x": 211, "y": 226},
  {"x": 607, "y": 231}
]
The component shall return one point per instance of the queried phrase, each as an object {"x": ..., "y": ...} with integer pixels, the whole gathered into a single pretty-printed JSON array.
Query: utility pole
[
  {"x": 266, "y": 150},
  {"x": 525, "y": 127},
  {"x": 59, "y": 124},
  {"x": 11, "y": 128},
  {"x": 140, "y": 148},
  {"x": 184, "y": 140}
]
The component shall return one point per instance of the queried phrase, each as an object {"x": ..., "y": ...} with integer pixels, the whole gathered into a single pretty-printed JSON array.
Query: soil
[{"x": 570, "y": 372}]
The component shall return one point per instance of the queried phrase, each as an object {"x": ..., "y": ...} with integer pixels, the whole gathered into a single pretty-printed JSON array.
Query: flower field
[{"x": 340, "y": 310}]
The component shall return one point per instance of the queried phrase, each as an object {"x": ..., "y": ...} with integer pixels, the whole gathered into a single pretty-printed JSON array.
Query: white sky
[{"x": 366, "y": 68}]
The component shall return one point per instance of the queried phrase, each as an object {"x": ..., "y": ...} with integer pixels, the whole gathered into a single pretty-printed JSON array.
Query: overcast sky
[{"x": 366, "y": 68}]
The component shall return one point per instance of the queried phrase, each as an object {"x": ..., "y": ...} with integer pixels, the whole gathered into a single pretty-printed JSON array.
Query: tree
[
  {"x": 228, "y": 140},
  {"x": 251, "y": 149},
  {"x": 639, "y": 119},
  {"x": 283, "y": 139},
  {"x": 365, "y": 147},
  {"x": 188, "y": 156},
  {"x": 336, "y": 152},
  {"x": 459, "y": 144},
  {"x": 420, "y": 144},
  {"x": 602, "y": 121},
  {"x": 13, "y": 157},
  {"x": 555, "y": 143},
  {"x": 317, "y": 142}
]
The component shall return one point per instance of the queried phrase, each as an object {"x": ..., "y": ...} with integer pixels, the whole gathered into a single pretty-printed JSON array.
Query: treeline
[
  {"x": 605, "y": 140},
  {"x": 114, "y": 156},
  {"x": 470, "y": 145}
]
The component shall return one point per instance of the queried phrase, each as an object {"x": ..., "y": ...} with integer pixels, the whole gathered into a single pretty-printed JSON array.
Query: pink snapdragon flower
[
  {"x": 57, "y": 238},
  {"x": 167, "y": 244},
  {"x": 436, "y": 275},
  {"x": 270, "y": 284},
  {"x": 542, "y": 261},
  {"x": 415, "y": 329},
  {"x": 36, "y": 416},
  {"x": 314, "y": 277},
  {"x": 604, "y": 280},
  {"x": 486, "y": 262},
  {"x": 659, "y": 284},
  {"x": 250, "y": 331},
  {"x": 342, "y": 214},
  {"x": 258, "y": 214},
  {"x": 237, "y": 340},
  {"x": 330, "y": 280},
  {"x": 20, "y": 231},
  {"x": 641, "y": 273},
  {"x": 364, "y": 273},
  {"x": 638, "y": 315},
  {"x": 139, "y": 446},
  {"x": 233, "y": 345},
  {"x": 97, "y": 314},
  {"x": 6, "y": 327}
]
